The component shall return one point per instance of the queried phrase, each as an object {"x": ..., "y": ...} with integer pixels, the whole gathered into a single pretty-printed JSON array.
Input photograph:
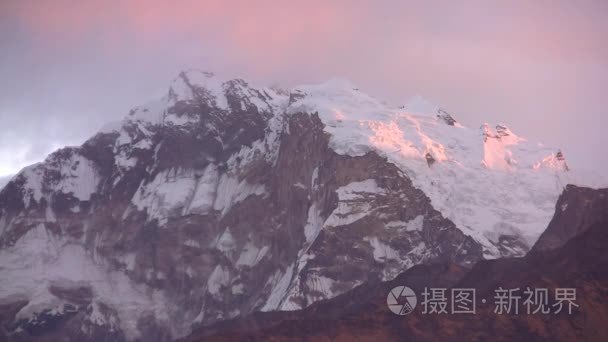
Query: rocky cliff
[{"x": 579, "y": 263}]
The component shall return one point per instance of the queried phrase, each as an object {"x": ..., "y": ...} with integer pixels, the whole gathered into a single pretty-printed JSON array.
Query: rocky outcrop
[
  {"x": 577, "y": 210},
  {"x": 446, "y": 117}
]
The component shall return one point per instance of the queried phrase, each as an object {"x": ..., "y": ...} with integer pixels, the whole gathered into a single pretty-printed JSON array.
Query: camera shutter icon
[{"x": 401, "y": 300}]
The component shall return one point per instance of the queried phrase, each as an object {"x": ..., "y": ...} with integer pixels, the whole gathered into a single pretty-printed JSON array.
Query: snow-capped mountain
[{"x": 223, "y": 198}]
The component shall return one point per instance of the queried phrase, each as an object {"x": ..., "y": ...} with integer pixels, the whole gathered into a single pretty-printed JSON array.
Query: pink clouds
[
  {"x": 260, "y": 30},
  {"x": 276, "y": 36},
  {"x": 514, "y": 61}
]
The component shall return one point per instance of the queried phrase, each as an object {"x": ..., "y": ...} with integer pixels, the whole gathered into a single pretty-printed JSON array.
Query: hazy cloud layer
[{"x": 67, "y": 67}]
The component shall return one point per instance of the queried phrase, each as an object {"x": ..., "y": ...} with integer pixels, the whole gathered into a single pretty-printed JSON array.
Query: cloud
[{"x": 541, "y": 66}]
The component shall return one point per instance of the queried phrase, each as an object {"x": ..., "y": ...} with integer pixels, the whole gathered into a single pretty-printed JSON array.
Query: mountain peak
[{"x": 197, "y": 85}]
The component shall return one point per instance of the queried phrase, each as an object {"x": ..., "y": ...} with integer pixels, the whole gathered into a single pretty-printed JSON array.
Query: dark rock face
[
  {"x": 429, "y": 159},
  {"x": 210, "y": 211},
  {"x": 446, "y": 117},
  {"x": 577, "y": 209},
  {"x": 362, "y": 314},
  {"x": 502, "y": 131},
  {"x": 346, "y": 253}
]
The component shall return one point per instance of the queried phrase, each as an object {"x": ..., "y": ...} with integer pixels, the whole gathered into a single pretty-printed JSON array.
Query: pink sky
[{"x": 539, "y": 66}]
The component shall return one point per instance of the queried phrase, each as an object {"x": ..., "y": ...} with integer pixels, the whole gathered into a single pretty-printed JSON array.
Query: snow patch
[
  {"x": 314, "y": 225},
  {"x": 353, "y": 202},
  {"x": 226, "y": 242},
  {"x": 251, "y": 255},
  {"x": 280, "y": 284},
  {"x": 231, "y": 191},
  {"x": 321, "y": 286},
  {"x": 219, "y": 278},
  {"x": 414, "y": 224},
  {"x": 382, "y": 252},
  {"x": 177, "y": 192},
  {"x": 300, "y": 186},
  {"x": 192, "y": 243},
  {"x": 238, "y": 289}
]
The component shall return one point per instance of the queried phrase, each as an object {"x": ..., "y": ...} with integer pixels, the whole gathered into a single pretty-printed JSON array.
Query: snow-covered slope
[
  {"x": 486, "y": 179},
  {"x": 224, "y": 198}
]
